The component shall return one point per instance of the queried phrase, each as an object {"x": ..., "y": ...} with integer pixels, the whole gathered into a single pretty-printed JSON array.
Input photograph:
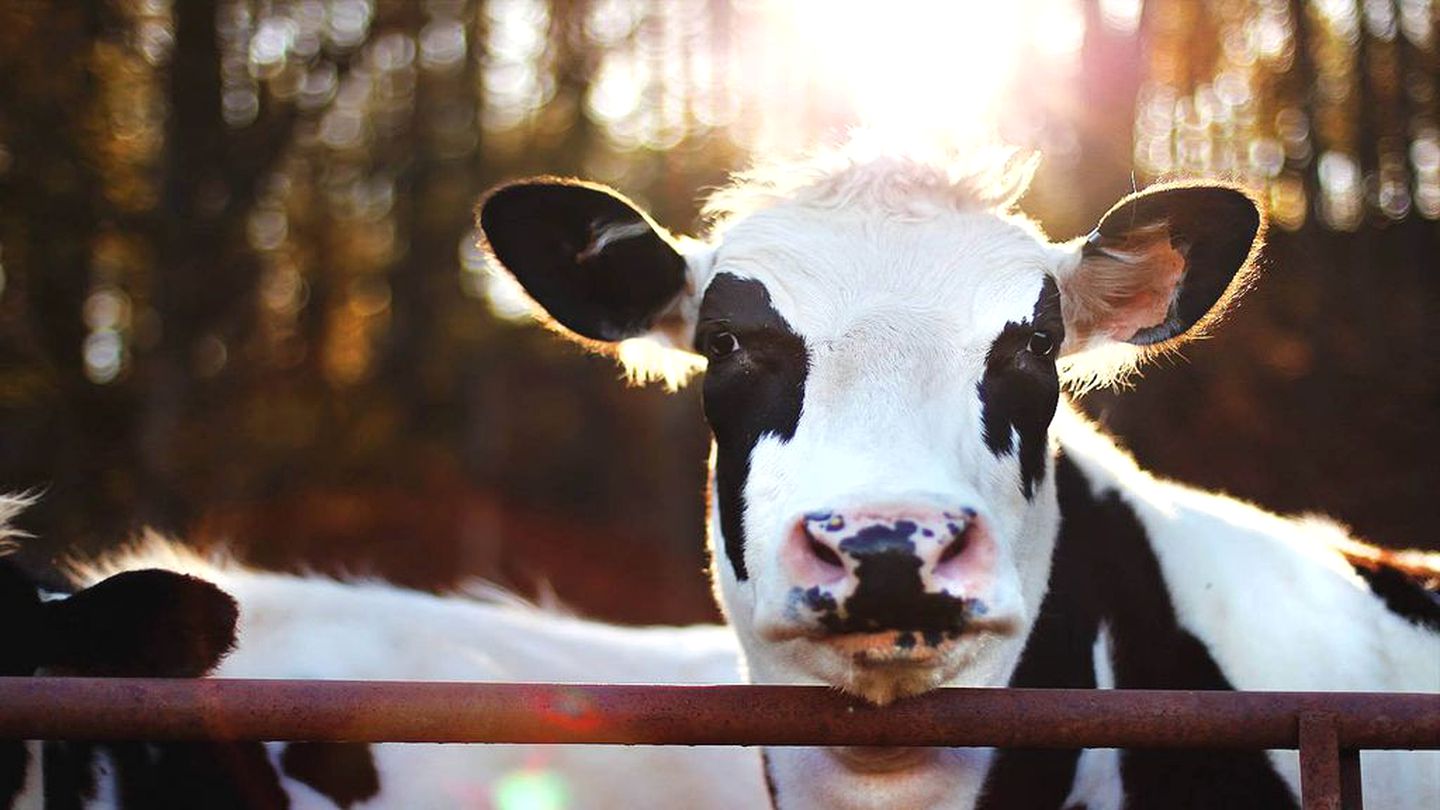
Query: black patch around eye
[
  {"x": 754, "y": 393},
  {"x": 67, "y": 777},
  {"x": 1020, "y": 389}
]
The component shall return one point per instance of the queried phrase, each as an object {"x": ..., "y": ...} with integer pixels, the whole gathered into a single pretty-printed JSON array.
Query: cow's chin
[{"x": 885, "y": 666}]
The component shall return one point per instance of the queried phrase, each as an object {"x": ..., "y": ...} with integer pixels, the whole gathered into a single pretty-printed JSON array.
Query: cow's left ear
[
  {"x": 1160, "y": 264},
  {"x": 147, "y": 623},
  {"x": 597, "y": 265}
]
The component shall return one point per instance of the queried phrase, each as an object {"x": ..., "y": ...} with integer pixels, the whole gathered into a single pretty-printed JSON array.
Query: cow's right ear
[
  {"x": 598, "y": 265},
  {"x": 146, "y": 623}
]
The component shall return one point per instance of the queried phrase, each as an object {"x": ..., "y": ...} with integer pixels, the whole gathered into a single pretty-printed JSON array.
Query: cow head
[
  {"x": 886, "y": 343},
  {"x": 147, "y": 623}
]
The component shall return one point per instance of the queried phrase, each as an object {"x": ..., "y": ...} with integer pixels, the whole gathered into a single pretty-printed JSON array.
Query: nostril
[
  {"x": 811, "y": 555},
  {"x": 958, "y": 542},
  {"x": 822, "y": 552},
  {"x": 953, "y": 550}
]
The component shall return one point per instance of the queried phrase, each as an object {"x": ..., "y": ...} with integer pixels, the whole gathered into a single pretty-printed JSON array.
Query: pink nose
[{"x": 893, "y": 552}]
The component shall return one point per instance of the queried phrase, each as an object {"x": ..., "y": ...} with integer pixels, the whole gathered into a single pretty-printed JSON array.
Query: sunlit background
[{"x": 240, "y": 297}]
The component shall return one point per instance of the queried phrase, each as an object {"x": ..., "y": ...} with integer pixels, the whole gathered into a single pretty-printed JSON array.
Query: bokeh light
[{"x": 531, "y": 789}]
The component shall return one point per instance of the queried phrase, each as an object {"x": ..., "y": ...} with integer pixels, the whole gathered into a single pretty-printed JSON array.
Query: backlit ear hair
[
  {"x": 10, "y": 506},
  {"x": 1159, "y": 269}
]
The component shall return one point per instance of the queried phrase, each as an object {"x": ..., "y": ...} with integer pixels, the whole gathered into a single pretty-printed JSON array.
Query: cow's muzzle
[{"x": 918, "y": 572}]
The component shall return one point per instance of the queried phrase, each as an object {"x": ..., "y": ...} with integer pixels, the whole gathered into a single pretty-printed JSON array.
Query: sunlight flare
[{"x": 932, "y": 68}]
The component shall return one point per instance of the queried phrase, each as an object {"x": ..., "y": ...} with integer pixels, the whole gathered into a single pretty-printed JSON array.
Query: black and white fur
[{"x": 887, "y": 338}]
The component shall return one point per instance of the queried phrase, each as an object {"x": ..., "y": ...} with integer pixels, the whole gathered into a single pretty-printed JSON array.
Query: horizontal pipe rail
[{"x": 401, "y": 711}]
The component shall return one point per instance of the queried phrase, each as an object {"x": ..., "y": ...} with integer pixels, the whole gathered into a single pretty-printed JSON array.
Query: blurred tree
[{"x": 240, "y": 297}]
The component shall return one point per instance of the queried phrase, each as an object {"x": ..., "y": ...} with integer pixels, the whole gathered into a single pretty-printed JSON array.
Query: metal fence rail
[{"x": 1329, "y": 728}]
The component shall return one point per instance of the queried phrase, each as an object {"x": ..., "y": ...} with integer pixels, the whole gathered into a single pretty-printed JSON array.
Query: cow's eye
[
  {"x": 720, "y": 345},
  {"x": 1040, "y": 344}
]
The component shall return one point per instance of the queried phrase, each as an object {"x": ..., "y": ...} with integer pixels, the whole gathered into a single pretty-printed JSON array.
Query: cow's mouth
[
  {"x": 893, "y": 648},
  {"x": 881, "y": 666}
]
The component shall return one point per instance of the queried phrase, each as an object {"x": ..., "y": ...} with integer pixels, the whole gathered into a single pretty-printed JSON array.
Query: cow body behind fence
[
  {"x": 315, "y": 627},
  {"x": 902, "y": 500},
  {"x": 140, "y": 622}
]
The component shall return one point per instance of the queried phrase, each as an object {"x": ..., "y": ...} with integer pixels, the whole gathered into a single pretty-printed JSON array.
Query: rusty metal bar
[
  {"x": 397, "y": 711},
  {"x": 1319, "y": 762}
]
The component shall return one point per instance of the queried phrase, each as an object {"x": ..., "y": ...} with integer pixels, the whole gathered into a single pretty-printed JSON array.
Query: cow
[
  {"x": 156, "y": 609},
  {"x": 142, "y": 622},
  {"x": 902, "y": 496},
  {"x": 316, "y": 627}
]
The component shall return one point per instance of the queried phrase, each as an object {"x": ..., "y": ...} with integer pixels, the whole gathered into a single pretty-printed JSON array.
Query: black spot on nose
[
  {"x": 817, "y": 600},
  {"x": 880, "y": 540},
  {"x": 890, "y": 593}
]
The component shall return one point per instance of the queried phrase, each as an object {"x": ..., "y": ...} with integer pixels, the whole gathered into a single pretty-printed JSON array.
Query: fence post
[{"x": 1320, "y": 767}]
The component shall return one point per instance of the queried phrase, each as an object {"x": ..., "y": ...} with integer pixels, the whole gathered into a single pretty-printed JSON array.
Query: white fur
[
  {"x": 610, "y": 234},
  {"x": 10, "y": 506}
]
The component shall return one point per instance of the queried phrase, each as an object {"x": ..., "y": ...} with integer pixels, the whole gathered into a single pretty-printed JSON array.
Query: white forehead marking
[
  {"x": 861, "y": 241},
  {"x": 840, "y": 274}
]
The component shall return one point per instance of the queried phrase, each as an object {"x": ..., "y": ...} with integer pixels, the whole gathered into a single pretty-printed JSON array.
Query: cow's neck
[
  {"x": 852, "y": 779},
  {"x": 1108, "y": 621}
]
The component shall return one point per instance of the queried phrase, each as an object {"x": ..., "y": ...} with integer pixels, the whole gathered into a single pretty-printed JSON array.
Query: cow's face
[{"x": 884, "y": 362}]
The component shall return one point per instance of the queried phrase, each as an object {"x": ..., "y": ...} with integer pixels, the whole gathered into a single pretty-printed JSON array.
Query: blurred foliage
[{"x": 240, "y": 299}]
